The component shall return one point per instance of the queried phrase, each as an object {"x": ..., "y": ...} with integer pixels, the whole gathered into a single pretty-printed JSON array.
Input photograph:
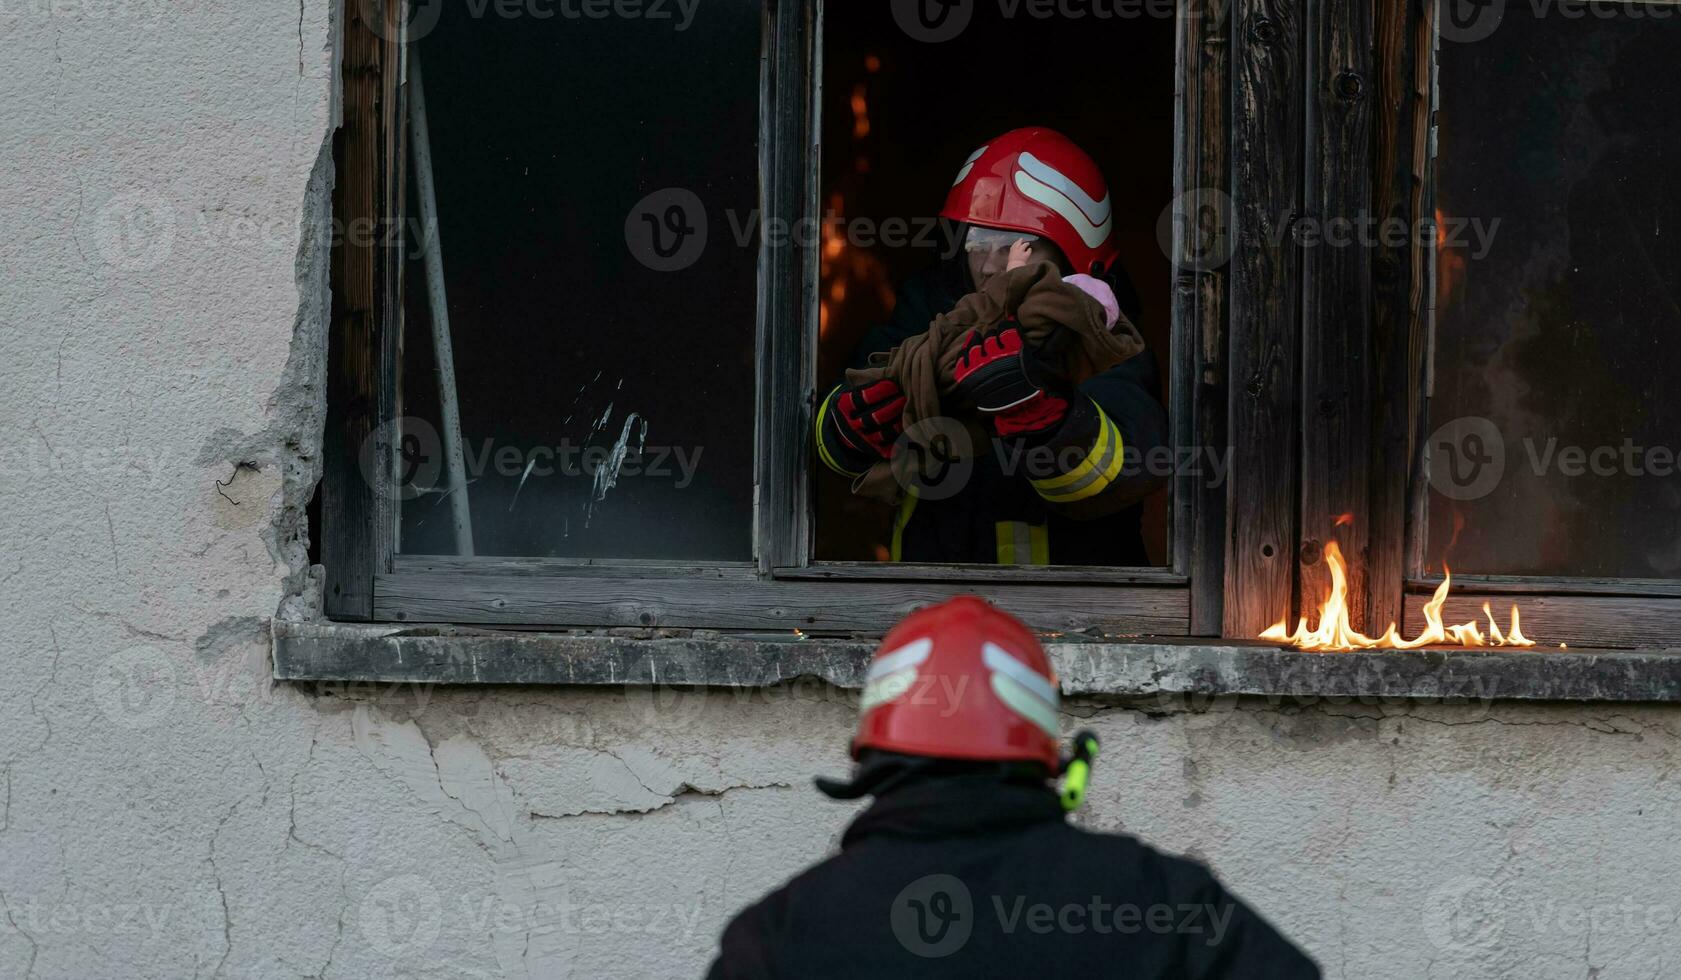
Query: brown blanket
[{"x": 1057, "y": 317}]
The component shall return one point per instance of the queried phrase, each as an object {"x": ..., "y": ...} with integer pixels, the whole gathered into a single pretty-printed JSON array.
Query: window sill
[{"x": 1146, "y": 667}]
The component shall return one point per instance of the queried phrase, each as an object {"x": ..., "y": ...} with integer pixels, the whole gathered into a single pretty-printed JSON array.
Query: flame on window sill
[{"x": 1336, "y": 632}]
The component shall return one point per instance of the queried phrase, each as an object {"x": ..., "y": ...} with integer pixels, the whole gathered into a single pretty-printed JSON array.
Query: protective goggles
[{"x": 992, "y": 239}]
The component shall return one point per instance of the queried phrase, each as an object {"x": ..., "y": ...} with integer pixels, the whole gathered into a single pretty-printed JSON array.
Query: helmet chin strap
[
  {"x": 874, "y": 777},
  {"x": 880, "y": 774}
]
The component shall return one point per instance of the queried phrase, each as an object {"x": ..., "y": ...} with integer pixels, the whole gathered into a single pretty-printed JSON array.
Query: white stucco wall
[{"x": 169, "y": 812}]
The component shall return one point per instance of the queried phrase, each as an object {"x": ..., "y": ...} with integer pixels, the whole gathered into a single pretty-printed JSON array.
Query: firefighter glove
[
  {"x": 857, "y": 425},
  {"x": 1012, "y": 385}
]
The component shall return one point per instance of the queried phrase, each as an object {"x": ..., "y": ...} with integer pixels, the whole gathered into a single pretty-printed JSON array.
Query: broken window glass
[
  {"x": 1556, "y": 411},
  {"x": 589, "y": 177}
]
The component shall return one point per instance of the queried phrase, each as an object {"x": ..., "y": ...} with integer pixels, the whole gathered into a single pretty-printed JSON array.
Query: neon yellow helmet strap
[{"x": 1077, "y": 775}]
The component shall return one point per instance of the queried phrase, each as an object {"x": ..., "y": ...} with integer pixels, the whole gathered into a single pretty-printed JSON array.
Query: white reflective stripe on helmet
[
  {"x": 1097, "y": 211},
  {"x": 1000, "y": 661},
  {"x": 1092, "y": 234},
  {"x": 886, "y": 688},
  {"x": 969, "y": 165},
  {"x": 909, "y": 655},
  {"x": 1025, "y": 703}
]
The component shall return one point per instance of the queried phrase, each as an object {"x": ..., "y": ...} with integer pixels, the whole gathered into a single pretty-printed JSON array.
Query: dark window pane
[
  {"x": 1557, "y": 398},
  {"x": 574, "y": 343}
]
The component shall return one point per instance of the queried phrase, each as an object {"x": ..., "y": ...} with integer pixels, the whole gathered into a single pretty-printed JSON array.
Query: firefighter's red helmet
[
  {"x": 1038, "y": 181},
  {"x": 961, "y": 680}
]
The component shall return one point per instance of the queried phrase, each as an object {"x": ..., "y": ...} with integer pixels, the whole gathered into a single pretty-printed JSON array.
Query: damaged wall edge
[
  {"x": 446, "y": 655},
  {"x": 293, "y": 441}
]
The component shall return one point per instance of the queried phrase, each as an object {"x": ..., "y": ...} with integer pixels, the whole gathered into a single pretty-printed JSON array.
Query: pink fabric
[{"x": 1099, "y": 290}]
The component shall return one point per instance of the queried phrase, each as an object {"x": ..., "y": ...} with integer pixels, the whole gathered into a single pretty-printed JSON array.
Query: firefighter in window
[{"x": 1006, "y": 407}]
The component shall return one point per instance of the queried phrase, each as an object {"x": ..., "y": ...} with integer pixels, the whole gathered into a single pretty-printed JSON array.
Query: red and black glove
[
  {"x": 1015, "y": 388},
  {"x": 858, "y": 425}
]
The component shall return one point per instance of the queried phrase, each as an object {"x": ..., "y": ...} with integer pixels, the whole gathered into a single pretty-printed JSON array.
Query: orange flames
[
  {"x": 851, "y": 276},
  {"x": 1450, "y": 264},
  {"x": 1336, "y": 632},
  {"x": 860, "y": 112},
  {"x": 856, "y": 287}
]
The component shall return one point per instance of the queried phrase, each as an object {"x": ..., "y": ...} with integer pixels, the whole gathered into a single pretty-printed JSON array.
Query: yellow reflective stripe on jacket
[
  {"x": 1020, "y": 543},
  {"x": 1094, "y": 474},
  {"x": 823, "y": 450},
  {"x": 903, "y": 517}
]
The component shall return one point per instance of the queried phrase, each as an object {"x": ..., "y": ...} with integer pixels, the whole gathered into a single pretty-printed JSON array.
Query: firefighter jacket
[
  {"x": 1075, "y": 500},
  {"x": 976, "y": 876}
]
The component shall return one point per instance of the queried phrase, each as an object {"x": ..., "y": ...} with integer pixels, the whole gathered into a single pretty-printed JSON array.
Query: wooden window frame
[
  {"x": 782, "y": 589},
  {"x": 1306, "y": 367}
]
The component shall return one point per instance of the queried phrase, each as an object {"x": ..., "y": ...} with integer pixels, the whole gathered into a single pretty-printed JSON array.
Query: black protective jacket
[
  {"x": 964, "y": 528},
  {"x": 972, "y": 876}
]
